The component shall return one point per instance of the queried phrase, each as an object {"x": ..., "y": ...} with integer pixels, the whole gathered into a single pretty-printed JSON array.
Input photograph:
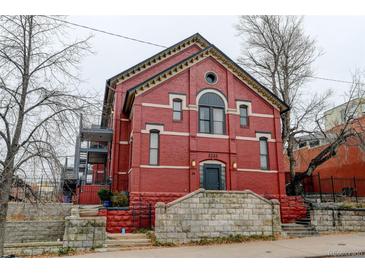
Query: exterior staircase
[
  {"x": 301, "y": 228},
  {"x": 117, "y": 242},
  {"x": 89, "y": 210}
]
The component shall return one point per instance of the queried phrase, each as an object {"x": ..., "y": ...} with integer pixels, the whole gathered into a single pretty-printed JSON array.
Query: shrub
[
  {"x": 104, "y": 194},
  {"x": 120, "y": 199}
]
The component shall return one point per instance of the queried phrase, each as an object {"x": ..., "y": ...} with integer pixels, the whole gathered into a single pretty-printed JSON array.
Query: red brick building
[{"x": 189, "y": 117}]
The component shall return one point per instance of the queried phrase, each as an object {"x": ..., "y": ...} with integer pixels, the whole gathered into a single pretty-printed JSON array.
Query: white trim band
[
  {"x": 123, "y": 142},
  {"x": 257, "y": 170},
  {"x": 122, "y": 173},
  {"x": 171, "y": 167},
  {"x": 160, "y": 128},
  {"x": 212, "y": 136}
]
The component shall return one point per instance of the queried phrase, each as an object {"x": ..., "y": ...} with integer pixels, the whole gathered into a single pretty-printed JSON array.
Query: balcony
[
  {"x": 90, "y": 130},
  {"x": 96, "y": 134},
  {"x": 96, "y": 153}
]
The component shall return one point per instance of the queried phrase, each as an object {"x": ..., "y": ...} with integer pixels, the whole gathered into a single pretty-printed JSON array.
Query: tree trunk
[{"x": 5, "y": 187}]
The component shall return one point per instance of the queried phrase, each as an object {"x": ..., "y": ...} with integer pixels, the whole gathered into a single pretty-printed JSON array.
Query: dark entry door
[{"x": 212, "y": 177}]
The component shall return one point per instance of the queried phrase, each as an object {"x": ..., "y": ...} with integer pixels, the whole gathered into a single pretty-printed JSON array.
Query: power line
[
  {"x": 330, "y": 79},
  {"x": 162, "y": 46},
  {"x": 105, "y": 32}
]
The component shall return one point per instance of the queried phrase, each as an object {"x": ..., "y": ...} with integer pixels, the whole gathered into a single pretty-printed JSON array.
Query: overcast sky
[{"x": 341, "y": 38}]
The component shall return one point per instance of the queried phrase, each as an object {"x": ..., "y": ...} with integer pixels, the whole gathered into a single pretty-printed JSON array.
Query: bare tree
[
  {"x": 39, "y": 97},
  {"x": 278, "y": 52},
  {"x": 349, "y": 131}
]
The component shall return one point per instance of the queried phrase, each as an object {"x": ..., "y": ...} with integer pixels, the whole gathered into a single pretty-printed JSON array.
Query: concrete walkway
[{"x": 300, "y": 247}]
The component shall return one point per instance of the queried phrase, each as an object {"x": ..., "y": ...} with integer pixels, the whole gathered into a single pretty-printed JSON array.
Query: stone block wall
[
  {"x": 337, "y": 219},
  {"x": 209, "y": 214},
  {"x": 34, "y": 231},
  {"x": 84, "y": 232},
  {"x": 28, "y": 222},
  {"x": 28, "y": 211}
]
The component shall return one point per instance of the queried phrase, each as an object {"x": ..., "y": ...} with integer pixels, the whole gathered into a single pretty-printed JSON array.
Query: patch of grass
[
  {"x": 62, "y": 251},
  {"x": 349, "y": 205},
  {"x": 233, "y": 239},
  {"x": 212, "y": 241},
  {"x": 142, "y": 230}
]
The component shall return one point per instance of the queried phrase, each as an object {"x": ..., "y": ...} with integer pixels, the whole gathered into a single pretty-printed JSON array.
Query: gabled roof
[
  {"x": 210, "y": 51},
  {"x": 145, "y": 64}
]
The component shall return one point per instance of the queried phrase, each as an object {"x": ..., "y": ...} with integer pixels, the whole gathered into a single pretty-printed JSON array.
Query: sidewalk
[{"x": 320, "y": 246}]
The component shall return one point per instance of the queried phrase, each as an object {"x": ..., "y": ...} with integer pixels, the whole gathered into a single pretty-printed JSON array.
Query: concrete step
[
  {"x": 303, "y": 221},
  {"x": 113, "y": 249},
  {"x": 302, "y": 234},
  {"x": 120, "y": 236},
  {"x": 89, "y": 210},
  {"x": 295, "y": 226},
  {"x": 299, "y": 230},
  {"x": 124, "y": 243}
]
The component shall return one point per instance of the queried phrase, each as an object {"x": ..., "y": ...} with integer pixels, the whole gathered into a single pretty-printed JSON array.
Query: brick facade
[{"x": 183, "y": 149}]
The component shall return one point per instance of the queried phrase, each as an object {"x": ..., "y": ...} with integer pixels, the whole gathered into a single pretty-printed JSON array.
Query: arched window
[
  {"x": 243, "y": 116},
  {"x": 154, "y": 147},
  {"x": 264, "y": 153},
  {"x": 211, "y": 114},
  {"x": 177, "y": 109}
]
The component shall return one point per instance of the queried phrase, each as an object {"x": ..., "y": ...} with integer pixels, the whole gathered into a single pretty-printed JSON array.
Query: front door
[{"x": 212, "y": 177}]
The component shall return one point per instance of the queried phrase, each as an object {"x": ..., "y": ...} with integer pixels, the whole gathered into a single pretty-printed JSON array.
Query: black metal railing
[
  {"x": 334, "y": 189},
  {"x": 142, "y": 215}
]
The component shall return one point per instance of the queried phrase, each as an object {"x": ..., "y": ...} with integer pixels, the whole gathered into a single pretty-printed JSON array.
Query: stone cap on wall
[{"x": 202, "y": 190}]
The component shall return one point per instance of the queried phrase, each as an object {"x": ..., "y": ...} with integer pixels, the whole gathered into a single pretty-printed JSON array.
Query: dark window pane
[
  {"x": 243, "y": 121},
  {"x": 153, "y": 156},
  {"x": 204, "y": 127},
  {"x": 263, "y": 162},
  {"x": 176, "y": 115},
  {"x": 243, "y": 111},
  {"x": 211, "y": 78},
  {"x": 217, "y": 114},
  {"x": 211, "y": 99},
  {"x": 218, "y": 127},
  {"x": 263, "y": 147},
  {"x": 154, "y": 140},
  {"x": 204, "y": 113},
  {"x": 177, "y": 105}
]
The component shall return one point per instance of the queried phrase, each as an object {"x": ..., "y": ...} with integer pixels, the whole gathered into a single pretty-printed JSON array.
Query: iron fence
[
  {"x": 142, "y": 215},
  {"x": 35, "y": 189},
  {"x": 334, "y": 189}
]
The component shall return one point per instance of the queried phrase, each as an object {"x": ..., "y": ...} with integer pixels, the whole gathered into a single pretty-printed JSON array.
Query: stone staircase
[
  {"x": 116, "y": 242},
  {"x": 301, "y": 228},
  {"x": 89, "y": 210}
]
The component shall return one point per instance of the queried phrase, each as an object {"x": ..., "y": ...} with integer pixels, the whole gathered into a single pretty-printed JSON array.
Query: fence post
[
  {"x": 355, "y": 189},
  {"x": 320, "y": 187},
  {"x": 333, "y": 190},
  {"x": 150, "y": 215}
]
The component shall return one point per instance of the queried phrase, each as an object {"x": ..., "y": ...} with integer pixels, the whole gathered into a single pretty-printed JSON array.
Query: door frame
[{"x": 219, "y": 167}]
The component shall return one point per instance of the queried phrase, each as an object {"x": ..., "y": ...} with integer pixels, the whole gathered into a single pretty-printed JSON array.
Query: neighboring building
[
  {"x": 338, "y": 115},
  {"x": 188, "y": 118},
  {"x": 349, "y": 160}
]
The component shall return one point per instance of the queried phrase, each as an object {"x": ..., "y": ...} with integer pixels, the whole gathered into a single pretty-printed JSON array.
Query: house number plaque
[{"x": 213, "y": 155}]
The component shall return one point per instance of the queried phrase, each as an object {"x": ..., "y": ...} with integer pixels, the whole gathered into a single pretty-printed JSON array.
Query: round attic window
[{"x": 211, "y": 77}]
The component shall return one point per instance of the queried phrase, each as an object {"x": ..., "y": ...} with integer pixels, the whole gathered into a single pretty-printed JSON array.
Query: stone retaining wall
[
  {"x": 28, "y": 211},
  {"x": 337, "y": 219},
  {"x": 34, "y": 231},
  {"x": 84, "y": 232},
  {"x": 209, "y": 214},
  {"x": 32, "y": 249}
]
